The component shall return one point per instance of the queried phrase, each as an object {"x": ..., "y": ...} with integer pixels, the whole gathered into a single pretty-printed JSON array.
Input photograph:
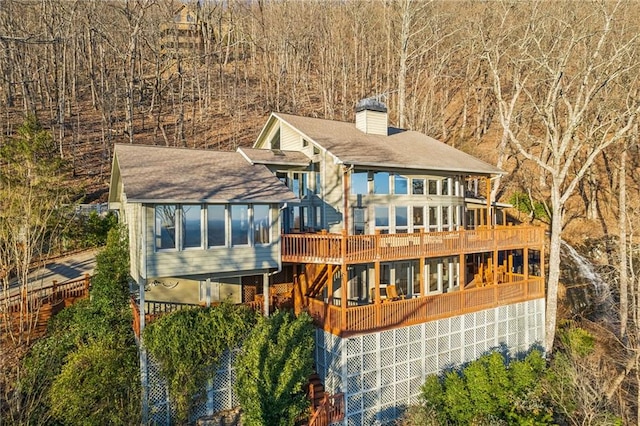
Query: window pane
[
  {"x": 382, "y": 215},
  {"x": 433, "y": 187},
  {"x": 191, "y": 226},
  {"x": 401, "y": 184},
  {"x": 433, "y": 217},
  {"x": 432, "y": 275},
  {"x": 359, "y": 183},
  {"x": 445, "y": 186},
  {"x": 417, "y": 186},
  {"x": 216, "y": 225},
  {"x": 261, "y": 228},
  {"x": 401, "y": 217},
  {"x": 165, "y": 226},
  {"x": 239, "y": 224},
  {"x": 418, "y": 216},
  {"x": 381, "y": 183},
  {"x": 445, "y": 216}
]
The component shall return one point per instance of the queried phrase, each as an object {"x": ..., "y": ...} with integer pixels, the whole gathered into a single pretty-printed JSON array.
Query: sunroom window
[
  {"x": 192, "y": 226},
  {"x": 165, "y": 226}
]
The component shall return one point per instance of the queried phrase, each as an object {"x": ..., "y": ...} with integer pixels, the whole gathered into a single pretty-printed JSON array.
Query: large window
[
  {"x": 185, "y": 227},
  {"x": 192, "y": 226},
  {"x": 418, "y": 218},
  {"x": 239, "y": 224},
  {"x": 216, "y": 225},
  {"x": 166, "y": 216}
]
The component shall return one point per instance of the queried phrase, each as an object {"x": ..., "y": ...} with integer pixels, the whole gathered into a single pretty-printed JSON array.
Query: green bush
[
  {"x": 188, "y": 343},
  {"x": 489, "y": 391},
  {"x": 98, "y": 385},
  {"x": 272, "y": 369},
  {"x": 86, "y": 370}
]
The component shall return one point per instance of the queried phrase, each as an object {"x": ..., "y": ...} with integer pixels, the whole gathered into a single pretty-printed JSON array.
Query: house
[
  {"x": 381, "y": 234},
  {"x": 184, "y": 34}
]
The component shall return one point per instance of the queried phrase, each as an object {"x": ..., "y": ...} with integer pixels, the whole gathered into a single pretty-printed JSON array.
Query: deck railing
[
  {"x": 400, "y": 313},
  {"x": 52, "y": 293},
  {"x": 336, "y": 248},
  {"x": 330, "y": 411}
]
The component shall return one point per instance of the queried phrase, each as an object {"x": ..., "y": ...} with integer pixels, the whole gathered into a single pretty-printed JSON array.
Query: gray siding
[{"x": 332, "y": 190}]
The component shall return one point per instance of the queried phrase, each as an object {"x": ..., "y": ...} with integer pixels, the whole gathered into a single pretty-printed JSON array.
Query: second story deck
[{"x": 342, "y": 248}]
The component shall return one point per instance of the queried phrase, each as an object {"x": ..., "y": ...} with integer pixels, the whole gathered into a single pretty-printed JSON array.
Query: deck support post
[
  {"x": 525, "y": 261},
  {"x": 344, "y": 274},
  {"x": 376, "y": 266},
  {"x": 462, "y": 271},
  {"x": 265, "y": 293}
]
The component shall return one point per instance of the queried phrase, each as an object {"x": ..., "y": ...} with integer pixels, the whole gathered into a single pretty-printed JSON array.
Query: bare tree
[{"x": 570, "y": 103}]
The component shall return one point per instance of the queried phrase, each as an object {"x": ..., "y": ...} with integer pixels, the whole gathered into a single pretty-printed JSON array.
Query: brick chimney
[{"x": 371, "y": 117}]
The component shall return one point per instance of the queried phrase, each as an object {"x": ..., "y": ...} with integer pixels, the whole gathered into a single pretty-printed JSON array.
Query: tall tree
[
  {"x": 33, "y": 201},
  {"x": 575, "y": 94}
]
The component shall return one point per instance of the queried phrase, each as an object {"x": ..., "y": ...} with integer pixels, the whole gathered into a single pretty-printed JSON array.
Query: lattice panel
[
  {"x": 370, "y": 380},
  {"x": 386, "y": 339},
  {"x": 354, "y": 403},
  {"x": 369, "y": 362},
  {"x": 385, "y": 371},
  {"x": 369, "y": 343},
  {"x": 401, "y": 336},
  {"x": 415, "y": 351},
  {"x": 402, "y": 353},
  {"x": 354, "y": 385},
  {"x": 354, "y": 346},
  {"x": 354, "y": 365},
  {"x": 416, "y": 333},
  {"x": 430, "y": 329}
]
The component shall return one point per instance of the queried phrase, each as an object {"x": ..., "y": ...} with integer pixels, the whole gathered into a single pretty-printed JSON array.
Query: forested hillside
[{"x": 547, "y": 91}]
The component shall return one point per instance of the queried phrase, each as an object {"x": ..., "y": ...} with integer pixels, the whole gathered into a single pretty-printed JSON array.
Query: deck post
[
  {"x": 345, "y": 279},
  {"x": 462, "y": 271},
  {"x": 265, "y": 293},
  {"x": 54, "y": 289},
  {"x": 525, "y": 261},
  {"x": 87, "y": 282},
  {"x": 376, "y": 266}
]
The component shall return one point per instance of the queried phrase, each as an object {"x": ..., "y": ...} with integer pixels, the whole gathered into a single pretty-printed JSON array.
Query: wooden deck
[
  {"x": 27, "y": 313},
  {"x": 338, "y": 248},
  {"x": 401, "y": 313}
]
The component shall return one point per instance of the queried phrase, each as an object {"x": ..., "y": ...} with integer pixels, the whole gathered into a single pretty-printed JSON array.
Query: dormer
[{"x": 372, "y": 117}]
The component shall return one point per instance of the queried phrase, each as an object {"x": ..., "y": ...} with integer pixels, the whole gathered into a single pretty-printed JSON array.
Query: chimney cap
[{"x": 370, "y": 104}]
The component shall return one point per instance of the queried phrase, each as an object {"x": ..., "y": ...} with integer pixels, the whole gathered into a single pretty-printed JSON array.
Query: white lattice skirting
[{"x": 381, "y": 373}]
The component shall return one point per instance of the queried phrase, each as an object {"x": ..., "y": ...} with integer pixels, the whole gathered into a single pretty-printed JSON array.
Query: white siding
[
  {"x": 290, "y": 139},
  {"x": 372, "y": 122}
]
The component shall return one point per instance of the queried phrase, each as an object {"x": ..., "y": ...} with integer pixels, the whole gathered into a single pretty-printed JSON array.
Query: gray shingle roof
[
  {"x": 275, "y": 157},
  {"x": 402, "y": 149},
  {"x": 176, "y": 175}
]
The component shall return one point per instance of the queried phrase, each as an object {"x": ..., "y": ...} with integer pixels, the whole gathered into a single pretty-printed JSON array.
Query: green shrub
[
  {"x": 272, "y": 369},
  {"x": 188, "y": 343},
  {"x": 89, "y": 353},
  {"x": 98, "y": 385},
  {"x": 489, "y": 391}
]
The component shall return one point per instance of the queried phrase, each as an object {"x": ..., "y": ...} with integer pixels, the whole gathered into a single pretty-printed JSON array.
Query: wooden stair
[
  {"x": 325, "y": 409},
  {"x": 319, "y": 279},
  {"x": 315, "y": 391}
]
